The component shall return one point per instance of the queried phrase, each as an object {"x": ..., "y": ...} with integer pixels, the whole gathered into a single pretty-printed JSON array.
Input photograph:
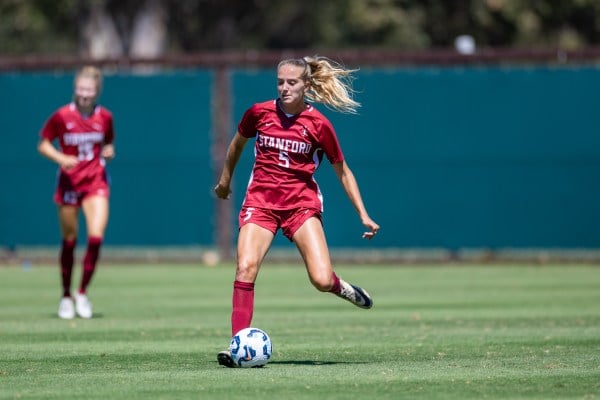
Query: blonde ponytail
[{"x": 330, "y": 82}]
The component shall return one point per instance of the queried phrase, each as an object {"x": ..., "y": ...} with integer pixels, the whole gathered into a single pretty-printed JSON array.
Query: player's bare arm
[
  {"x": 234, "y": 151},
  {"x": 348, "y": 181},
  {"x": 47, "y": 149}
]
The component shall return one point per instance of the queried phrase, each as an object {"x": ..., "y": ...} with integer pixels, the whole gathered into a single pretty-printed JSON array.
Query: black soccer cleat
[{"x": 224, "y": 358}]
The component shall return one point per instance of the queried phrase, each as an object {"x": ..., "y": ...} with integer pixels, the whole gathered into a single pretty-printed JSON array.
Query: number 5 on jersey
[{"x": 285, "y": 159}]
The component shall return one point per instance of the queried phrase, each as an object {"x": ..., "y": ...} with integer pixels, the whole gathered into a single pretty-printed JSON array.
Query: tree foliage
[{"x": 114, "y": 27}]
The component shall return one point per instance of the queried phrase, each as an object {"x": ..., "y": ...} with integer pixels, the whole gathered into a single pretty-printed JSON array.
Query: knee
[
  {"x": 69, "y": 236},
  {"x": 69, "y": 232},
  {"x": 247, "y": 269},
  {"x": 322, "y": 282}
]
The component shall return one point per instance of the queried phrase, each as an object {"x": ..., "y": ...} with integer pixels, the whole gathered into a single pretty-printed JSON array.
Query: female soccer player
[
  {"x": 84, "y": 131},
  {"x": 291, "y": 137}
]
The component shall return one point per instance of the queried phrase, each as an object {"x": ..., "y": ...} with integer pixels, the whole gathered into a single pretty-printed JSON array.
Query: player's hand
[
  {"x": 372, "y": 226},
  {"x": 108, "y": 152},
  {"x": 67, "y": 162},
  {"x": 222, "y": 192}
]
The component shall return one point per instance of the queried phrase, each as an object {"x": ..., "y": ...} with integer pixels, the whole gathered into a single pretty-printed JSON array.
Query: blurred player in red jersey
[
  {"x": 291, "y": 138},
  {"x": 84, "y": 131}
]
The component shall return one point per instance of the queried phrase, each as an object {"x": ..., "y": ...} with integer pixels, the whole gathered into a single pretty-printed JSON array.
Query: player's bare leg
[
  {"x": 68, "y": 220},
  {"x": 253, "y": 244},
  {"x": 95, "y": 209},
  {"x": 312, "y": 244}
]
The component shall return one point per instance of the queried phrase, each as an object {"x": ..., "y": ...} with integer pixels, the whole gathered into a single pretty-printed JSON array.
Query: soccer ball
[{"x": 251, "y": 347}]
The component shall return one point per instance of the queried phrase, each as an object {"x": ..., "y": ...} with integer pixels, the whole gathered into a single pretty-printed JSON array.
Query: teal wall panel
[
  {"x": 160, "y": 178},
  {"x": 445, "y": 157},
  {"x": 465, "y": 157}
]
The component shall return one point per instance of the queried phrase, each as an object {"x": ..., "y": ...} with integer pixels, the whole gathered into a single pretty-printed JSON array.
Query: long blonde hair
[{"x": 330, "y": 82}]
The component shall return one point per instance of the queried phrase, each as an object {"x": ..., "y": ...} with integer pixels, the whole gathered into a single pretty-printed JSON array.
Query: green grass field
[{"x": 438, "y": 332}]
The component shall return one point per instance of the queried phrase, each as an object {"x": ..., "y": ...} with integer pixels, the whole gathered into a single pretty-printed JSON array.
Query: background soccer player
[
  {"x": 291, "y": 137},
  {"x": 84, "y": 131}
]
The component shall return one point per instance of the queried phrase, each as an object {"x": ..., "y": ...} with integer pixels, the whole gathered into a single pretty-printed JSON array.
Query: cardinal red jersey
[
  {"x": 288, "y": 151},
  {"x": 81, "y": 136}
]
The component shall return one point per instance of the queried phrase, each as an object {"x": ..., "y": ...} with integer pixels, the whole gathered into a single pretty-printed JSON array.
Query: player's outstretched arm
[
  {"x": 234, "y": 151},
  {"x": 348, "y": 181}
]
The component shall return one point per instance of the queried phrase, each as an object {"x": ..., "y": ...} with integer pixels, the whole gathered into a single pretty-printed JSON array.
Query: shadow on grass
[
  {"x": 95, "y": 316},
  {"x": 312, "y": 362}
]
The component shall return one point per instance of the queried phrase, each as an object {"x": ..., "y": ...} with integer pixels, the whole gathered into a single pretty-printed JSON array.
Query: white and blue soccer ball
[{"x": 251, "y": 347}]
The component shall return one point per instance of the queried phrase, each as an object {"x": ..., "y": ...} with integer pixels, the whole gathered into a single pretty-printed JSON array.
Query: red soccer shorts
[
  {"x": 288, "y": 220},
  {"x": 67, "y": 194}
]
